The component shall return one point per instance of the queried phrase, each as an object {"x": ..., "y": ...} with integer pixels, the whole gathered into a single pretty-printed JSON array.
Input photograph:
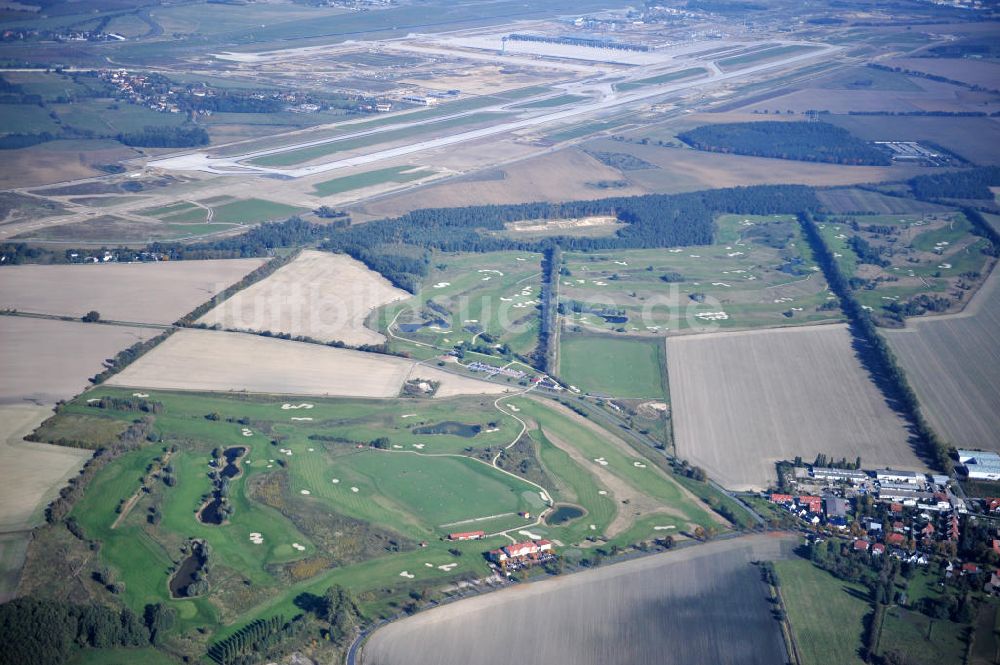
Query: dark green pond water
[{"x": 563, "y": 514}]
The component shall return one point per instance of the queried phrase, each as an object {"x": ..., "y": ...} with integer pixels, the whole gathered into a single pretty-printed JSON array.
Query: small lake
[
  {"x": 450, "y": 427},
  {"x": 232, "y": 469},
  {"x": 563, "y": 514},
  {"x": 184, "y": 576},
  {"x": 211, "y": 513},
  {"x": 415, "y": 327},
  {"x": 614, "y": 318}
]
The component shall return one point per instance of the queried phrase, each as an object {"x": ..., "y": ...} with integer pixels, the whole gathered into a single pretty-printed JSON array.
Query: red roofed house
[
  {"x": 896, "y": 508},
  {"x": 467, "y": 535},
  {"x": 521, "y": 549},
  {"x": 896, "y": 539},
  {"x": 878, "y": 548},
  {"x": 996, "y": 546},
  {"x": 928, "y": 529},
  {"x": 898, "y": 527},
  {"x": 861, "y": 545},
  {"x": 993, "y": 505},
  {"x": 813, "y": 503},
  {"x": 970, "y": 569},
  {"x": 782, "y": 498}
]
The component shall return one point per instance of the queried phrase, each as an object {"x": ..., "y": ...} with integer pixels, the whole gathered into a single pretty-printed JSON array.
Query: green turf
[
  {"x": 763, "y": 55},
  {"x": 922, "y": 640},
  {"x": 369, "y": 178},
  {"x": 290, "y": 157},
  {"x": 420, "y": 497},
  {"x": 496, "y": 292},
  {"x": 577, "y": 131},
  {"x": 826, "y": 614},
  {"x": 252, "y": 210},
  {"x": 662, "y": 78},
  {"x": 614, "y": 366},
  {"x": 559, "y": 100}
]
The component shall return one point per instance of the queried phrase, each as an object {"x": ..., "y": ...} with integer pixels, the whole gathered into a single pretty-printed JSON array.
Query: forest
[
  {"x": 803, "y": 141},
  {"x": 968, "y": 184},
  {"x": 397, "y": 247}
]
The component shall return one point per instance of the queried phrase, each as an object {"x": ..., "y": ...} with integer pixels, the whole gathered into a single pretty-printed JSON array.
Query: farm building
[
  {"x": 813, "y": 503},
  {"x": 782, "y": 499},
  {"x": 980, "y": 465},
  {"x": 889, "y": 475},
  {"x": 846, "y": 475},
  {"x": 467, "y": 535},
  {"x": 526, "y": 552},
  {"x": 835, "y": 507}
]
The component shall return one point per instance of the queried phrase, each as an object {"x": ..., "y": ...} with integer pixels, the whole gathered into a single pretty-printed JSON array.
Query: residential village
[{"x": 921, "y": 520}]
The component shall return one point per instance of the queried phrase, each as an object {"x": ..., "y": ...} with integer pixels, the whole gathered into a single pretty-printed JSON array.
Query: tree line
[
  {"x": 37, "y": 631},
  {"x": 879, "y": 354},
  {"x": 804, "y": 141}
]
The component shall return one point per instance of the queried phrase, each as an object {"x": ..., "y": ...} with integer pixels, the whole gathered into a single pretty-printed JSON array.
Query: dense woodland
[
  {"x": 804, "y": 141},
  {"x": 968, "y": 184},
  {"x": 397, "y": 247}
]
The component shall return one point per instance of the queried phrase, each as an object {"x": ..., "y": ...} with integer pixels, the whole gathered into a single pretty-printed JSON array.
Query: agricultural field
[
  {"x": 44, "y": 361},
  {"x": 744, "y": 400},
  {"x": 319, "y": 295},
  {"x": 619, "y": 367},
  {"x": 665, "y": 604},
  {"x": 826, "y": 614},
  {"x": 226, "y": 361},
  {"x": 484, "y": 300},
  {"x": 852, "y": 201},
  {"x": 952, "y": 364},
  {"x": 909, "y": 265},
  {"x": 758, "y": 273},
  {"x": 311, "y": 503},
  {"x": 686, "y": 170},
  {"x": 159, "y": 292},
  {"x": 556, "y": 176}
]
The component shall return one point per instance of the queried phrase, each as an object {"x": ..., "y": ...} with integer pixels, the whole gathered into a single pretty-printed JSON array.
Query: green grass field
[
  {"x": 291, "y": 157},
  {"x": 615, "y": 366},
  {"x": 369, "y": 178},
  {"x": 253, "y": 210},
  {"x": 662, "y": 78},
  {"x": 756, "y": 57},
  {"x": 922, "y": 640},
  {"x": 927, "y": 253},
  {"x": 497, "y": 293},
  {"x": 758, "y": 273},
  {"x": 577, "y": 131},
  {"x": 826, "y": 614},
  {"x": 559, "y": 100},
  {"x": 420, "y": 487}
]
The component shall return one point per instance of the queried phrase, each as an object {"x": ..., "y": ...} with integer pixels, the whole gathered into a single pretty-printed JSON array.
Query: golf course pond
[{"x": 564, "y": 513}]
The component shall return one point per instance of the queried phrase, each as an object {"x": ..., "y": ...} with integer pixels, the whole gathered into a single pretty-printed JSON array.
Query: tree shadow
[
  {"x": 308, "y": 602},
  {"x": 870, "y": 362}
]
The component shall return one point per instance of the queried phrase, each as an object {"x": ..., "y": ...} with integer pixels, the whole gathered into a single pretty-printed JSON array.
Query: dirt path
[{"x": 134, "y": 499}]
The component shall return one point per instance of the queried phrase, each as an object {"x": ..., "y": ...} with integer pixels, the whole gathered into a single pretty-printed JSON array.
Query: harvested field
[
  {"x": 633, "y": 612},
  {"x": 846, "y": 201},
  {"x": 234, "y": 362},
  {"x": 683, "y": 170},
  {"x": 984, "y": 73},
  {"x": 135, "y": 292},
  {"x": 320, "y": 295},
  {"x": 953, "y": 363},
  {"x": 558, "y": 176},
  {"x": 744, "y": 400},
  {"x": 43, "y": 361},
  {"x": 973, "y": 139}
]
